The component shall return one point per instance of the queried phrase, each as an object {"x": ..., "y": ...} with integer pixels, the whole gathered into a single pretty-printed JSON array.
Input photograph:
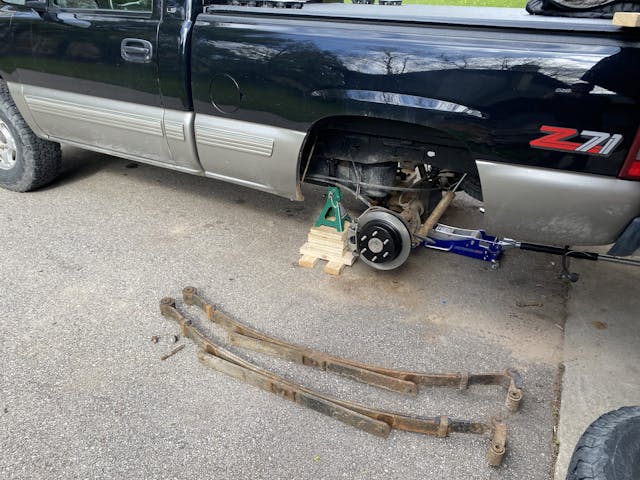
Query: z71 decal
[{"x": 598, "y": 143}]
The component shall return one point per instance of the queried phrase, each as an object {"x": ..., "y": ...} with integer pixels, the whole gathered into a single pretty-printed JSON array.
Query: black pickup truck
[{"x": 538, "y": 116}]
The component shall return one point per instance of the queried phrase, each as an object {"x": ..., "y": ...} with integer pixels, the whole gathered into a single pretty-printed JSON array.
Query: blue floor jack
[
  {"x": 477, "y": 244},
  {"x": 470, "y": 243}
]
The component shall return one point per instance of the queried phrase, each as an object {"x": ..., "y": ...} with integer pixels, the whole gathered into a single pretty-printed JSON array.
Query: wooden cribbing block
[
  {"x": 326, "y": 243},
  {"x": 347, "y": 257},
  {"x": 308, "y": 261},
  {"x": 329, "y": 233},
  {"x": 626, "y": 19}
]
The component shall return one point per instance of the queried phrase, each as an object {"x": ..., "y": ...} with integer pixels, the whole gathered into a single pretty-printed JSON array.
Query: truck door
[{"x": 93, "y": 77}]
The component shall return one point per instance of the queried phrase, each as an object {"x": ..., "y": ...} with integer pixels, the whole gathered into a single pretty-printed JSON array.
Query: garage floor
[{"x": 83, "y": 393}]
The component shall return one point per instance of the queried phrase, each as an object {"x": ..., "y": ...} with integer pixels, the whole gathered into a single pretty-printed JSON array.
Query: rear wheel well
[{"x": 372, "y": 143}]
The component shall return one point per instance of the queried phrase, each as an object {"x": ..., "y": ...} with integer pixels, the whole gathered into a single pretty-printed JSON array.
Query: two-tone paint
[{"x": 234, "y": 94}]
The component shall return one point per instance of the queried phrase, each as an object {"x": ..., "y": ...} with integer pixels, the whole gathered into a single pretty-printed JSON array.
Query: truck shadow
[{"x": 78, "y": 165}]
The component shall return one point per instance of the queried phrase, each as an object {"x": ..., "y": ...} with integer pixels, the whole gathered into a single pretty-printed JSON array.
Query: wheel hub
[
  {"x": 381, "y": 238},
  {"x": 379, "y": 242},
  {"x": 8, "y": 149}
]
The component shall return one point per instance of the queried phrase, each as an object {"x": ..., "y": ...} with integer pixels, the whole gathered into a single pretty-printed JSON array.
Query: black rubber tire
[
  {"x": 472, "y": 186},
  {"x": 38, "y": 161},
  {"x": 609, "y": 449}
]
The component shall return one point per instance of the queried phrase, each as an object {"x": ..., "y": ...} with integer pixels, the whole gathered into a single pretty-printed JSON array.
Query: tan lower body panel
[
  {"x": 254, "y": 155},
  {"x": 535, "y": 204}
]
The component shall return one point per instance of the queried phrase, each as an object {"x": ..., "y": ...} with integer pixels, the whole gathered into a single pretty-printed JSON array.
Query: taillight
[{"x": 631, "y": 168}]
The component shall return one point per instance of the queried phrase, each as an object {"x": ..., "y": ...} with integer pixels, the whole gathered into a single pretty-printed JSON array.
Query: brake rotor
[{"x": 381, "y": 239}]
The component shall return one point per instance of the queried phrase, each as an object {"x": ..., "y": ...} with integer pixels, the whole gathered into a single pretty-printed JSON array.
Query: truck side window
[{"x": 131, "y": 5}]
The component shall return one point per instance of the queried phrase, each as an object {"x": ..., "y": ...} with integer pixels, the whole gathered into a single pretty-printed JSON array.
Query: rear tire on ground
[
  {"x": 26, "y": 161},
  {"x": 609, "y": 449}
]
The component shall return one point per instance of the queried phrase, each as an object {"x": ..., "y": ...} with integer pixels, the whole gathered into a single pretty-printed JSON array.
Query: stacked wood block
[
  {"x": 326, "y": 243},
  {"x": 627, "y": 19}
]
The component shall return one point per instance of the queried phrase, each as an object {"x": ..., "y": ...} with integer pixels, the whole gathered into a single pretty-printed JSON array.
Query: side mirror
[{"x": 37, "y": 5}]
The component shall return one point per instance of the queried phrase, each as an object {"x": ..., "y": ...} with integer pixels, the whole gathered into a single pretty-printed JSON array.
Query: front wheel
[{"x": 26, "y": 161}]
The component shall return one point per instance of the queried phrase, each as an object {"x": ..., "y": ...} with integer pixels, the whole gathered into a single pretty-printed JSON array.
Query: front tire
[{"x": 26, "y": 161}]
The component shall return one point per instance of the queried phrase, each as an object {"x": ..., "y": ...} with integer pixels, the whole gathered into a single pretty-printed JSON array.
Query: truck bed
[{"x": 435, "y": 14}]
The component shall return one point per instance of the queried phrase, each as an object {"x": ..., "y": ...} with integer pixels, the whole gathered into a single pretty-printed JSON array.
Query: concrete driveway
[{"x": 84, "y": 394}]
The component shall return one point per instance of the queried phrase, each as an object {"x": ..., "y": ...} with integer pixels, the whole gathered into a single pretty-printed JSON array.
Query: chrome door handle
[{"x": 136, "y": 50}]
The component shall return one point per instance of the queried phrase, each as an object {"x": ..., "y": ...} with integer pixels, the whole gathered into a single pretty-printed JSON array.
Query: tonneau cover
[
  {"x": 582, "y": 8},
  {"x": 432, "y": 14}
]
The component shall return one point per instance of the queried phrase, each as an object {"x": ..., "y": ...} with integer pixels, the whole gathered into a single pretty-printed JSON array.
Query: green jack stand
[{"x": 333, "y": 214}]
